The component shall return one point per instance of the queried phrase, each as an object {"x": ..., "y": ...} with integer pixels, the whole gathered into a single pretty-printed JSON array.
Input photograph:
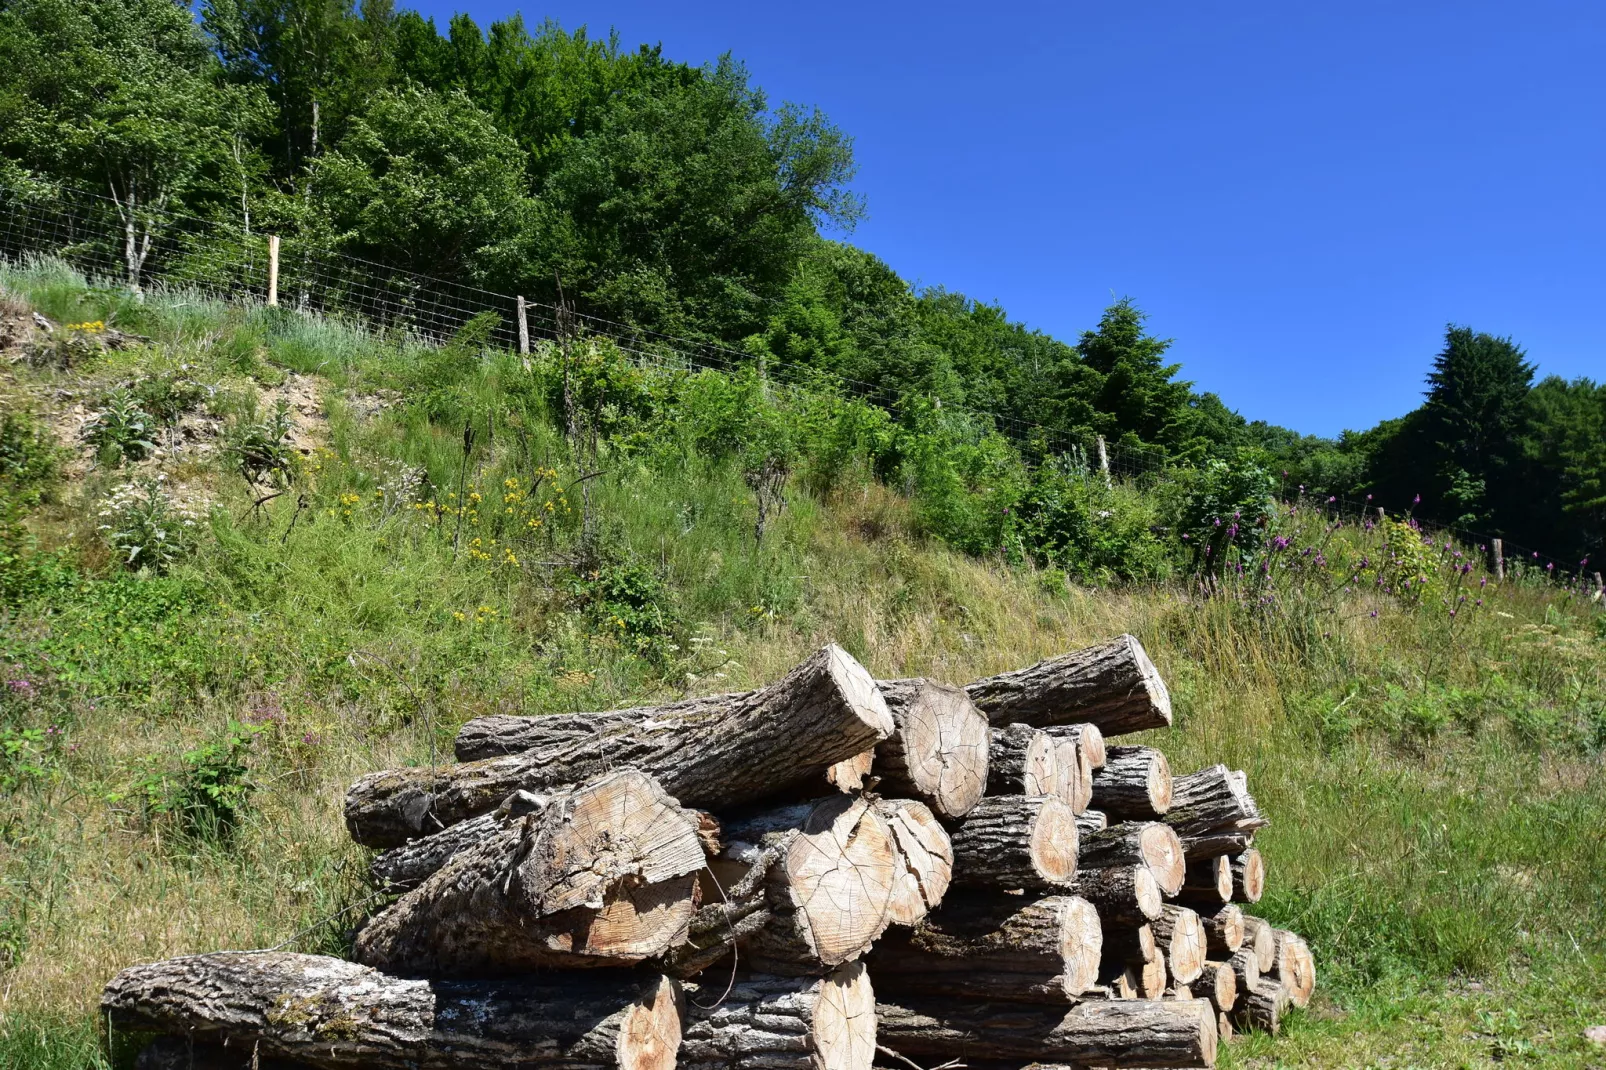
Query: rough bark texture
[
  {"x": 334, "y": 1014},
  {"x": 1245, "y": 968},
  {"x": 406, "y": 867},
  {"x": 939, "y": 750},
  {"x": 1073, "y": 773},
  {"x": 1224, "y": 930},
  {"x": 1147, "y": 843},
  {"x": 1182, "y": 941},
  {"x": 1135, "y": 784},
  {"x": 1091, "y": 821},
  {"x": 1103, "y": 1033},
  {"x": 188, "y": 1053},
  {"x": 709, "y": 753},
  {"x": 996, "y": 947},
  {"x": 782, "y": 1023},
  {"x": 1124, "y": 896},
  {"x": 1219, "y": 984},
  {"x": 605, "y": 875},
  {"x": 1021, "y": 760},
  {"x": 926, "y": 857},
  {"x": 1260, "y": 938},
  {"x": 1213, "y": 812},
  {"x": 1208, "y": 883},
  {"x": 1113, "y": 686},
  {"x": 1017, "y": 841},
  {"x": 1087, "y": 738},
  {"x": 1262, "y": 1006},
  {"x": 1248, "y": 876}
]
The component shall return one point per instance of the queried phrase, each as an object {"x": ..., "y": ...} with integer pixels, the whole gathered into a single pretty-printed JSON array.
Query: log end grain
[
  {"x": 1248, "y": 876},
  {"x": 939, "y": 753},
  {"x": 926, "y": 857}
]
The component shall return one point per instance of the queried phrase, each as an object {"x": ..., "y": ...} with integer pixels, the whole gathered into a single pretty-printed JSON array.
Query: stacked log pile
[{"x": 827, "y": 873}]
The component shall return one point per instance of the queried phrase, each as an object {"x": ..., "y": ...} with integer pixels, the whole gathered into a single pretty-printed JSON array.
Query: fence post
[
  {"x": 524, "y": 330},
  {"x": 273, "y": 269},
  {"x": 1600, "y": 589},
  {"x": 1104, "y": 460},
  {"x": 1498, "y": 548},
  {"x": 1382, "y": 515}
]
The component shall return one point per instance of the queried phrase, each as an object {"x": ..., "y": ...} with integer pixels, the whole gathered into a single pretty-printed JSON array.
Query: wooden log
[
  {"x": 996, "y": 947},
  {"x": 1017, "y": 841},
  {"x": 782, "y": 1023},
  {"x": 1219, "y": 984},
  {"x": 1133, "y": 946},
  {"x": 1102, "y": 1033},
  {"x": 1021, "y": 760},
  {"x": 188, "y": 1053},
  {"x": 1245, "y": 968},
  {"x": 329, "y": 1013},
  {"x": 850, "y": 774},
  {"x": 1113, "y": 686},
  {"x": 404, "y": 868},
  {"x": 1224, "y": 1028},
  {"x": 1135, "y": 784},
  {"x": 1090, "y": 821},
  {"x": 1262, "y": 1006},
  {"x": 1182, "y": 941},
  {"x": 1073, "y": 773},
  {"x": 1151, "y": 976},
  {"x": 1087, "y": 738},
  {"x": 1259, "y": 937},
  {"x": 708, "y": 753},
  {"x": 1207, "y": 883},
  {"x": 1118, "y": 979},
  {"x": 1294, "y": 966},
  {"x": 1248, "y": 876},
  {"x": 1224, "y": 930},
  {"x": 1148, "y": 843},
  {"x": 1176, "y": 991},
  {"x": 938, "y": 752},
  {"x": 926, "y": 857},
  {"x": 1213, "y": 812},
  {"x": 605, "y": 875},
  {"x": 1124, "y": 896}
]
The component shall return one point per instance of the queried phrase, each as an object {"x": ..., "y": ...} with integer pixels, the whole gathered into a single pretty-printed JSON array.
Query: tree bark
[
  {"x": 1260, "y": 938},
  {"x": 1219, "y": 984},
  {"x": 709, "y": 753},
  {"x": 1021, "y": 760},
  {"x": 1087, "y": 737},
  {"x": 1124, "y": 896},
  {"x": 1091, "y": 821},
  {"x": 1245, "y": 968},
  {"x": 1213, "y": 812},
  {"x": 782, "y": 1023},
  {"x": 1073, "y": 779},
  {"x": 1148, "y": 843},
  {"x": 1248, "y": 876},
  {"x": 406, "y": 867},
  {"x": 939, "y": 750},
  {"x": 188, "y": 1053},
  {"x": 1207, "y": 884},
  {"x": 1113, "y": 686},
  {"x": 926, "y": 857},
  {"x": 996, "y": 947},
  {"x": 1182, "y": 941},
  {"x": 1224, "y": 930},
  {"x": 1135, "y": 784},
  {"x": 333, "y": 1014},
  {"x": 605, "y": 875},
  {"x": 1262, "y": 1006},
  {"x": 1102, "y": 1033},
  {"x": 1017, "y": 841}
]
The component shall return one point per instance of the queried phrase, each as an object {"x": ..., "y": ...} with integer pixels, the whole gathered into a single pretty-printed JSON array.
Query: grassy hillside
[{"x": 177, "y": 736}]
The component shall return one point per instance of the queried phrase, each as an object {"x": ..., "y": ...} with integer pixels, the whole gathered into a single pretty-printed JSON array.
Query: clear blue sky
[{"x": 1302, "y": 199}]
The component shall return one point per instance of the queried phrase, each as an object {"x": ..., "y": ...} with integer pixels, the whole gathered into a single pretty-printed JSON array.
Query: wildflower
[{"x": 1417, "y": 500}]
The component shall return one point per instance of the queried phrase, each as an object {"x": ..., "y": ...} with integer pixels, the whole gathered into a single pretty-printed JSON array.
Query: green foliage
[
  {"x": 260, "y": 448},
  {"x": 145, "y": 528},
  {"x": 168, "y": 397},
  {"x": 29, "y": 459},
  {"x": 1224, "y": 512},
  {"x": 209, "y": 794},
  {"x": 121, "y": 431},
  {"x": 627, "y": 603},
  {"x": 1073, "y": 519}
]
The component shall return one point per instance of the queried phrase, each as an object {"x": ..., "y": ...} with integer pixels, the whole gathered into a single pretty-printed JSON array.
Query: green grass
[{"x": 1436, "y": 789}]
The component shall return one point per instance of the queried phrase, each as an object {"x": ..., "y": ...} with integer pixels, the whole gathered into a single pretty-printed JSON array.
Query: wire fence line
[{"x": 113, "y": 245}]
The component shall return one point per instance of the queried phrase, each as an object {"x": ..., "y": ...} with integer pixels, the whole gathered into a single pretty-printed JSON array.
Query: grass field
[{"x": 177, "y": 741}]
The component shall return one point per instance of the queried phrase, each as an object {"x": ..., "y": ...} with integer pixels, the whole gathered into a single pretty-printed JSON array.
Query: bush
[
  {"x": 29, "y": 459},
  {"x": 1225, "y": 511},
  {"x": 1074, "y": 520},
  {"x": 145, "y": 528},
  {"x": 121, "y": 431},
  {"x": 209, "y": 794}
]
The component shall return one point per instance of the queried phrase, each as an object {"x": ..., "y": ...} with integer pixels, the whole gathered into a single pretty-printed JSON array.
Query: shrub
[
  {"x": 1225, "y": 511},
  {"x": 166, "y": 398},
  {"x": 1073, "y": 519},
  {"x": 209, "y": 794},
  {"x": 145, "y": 528},
  {"x": 121, "y": 431},
  {"x": 261, "y": 448}
]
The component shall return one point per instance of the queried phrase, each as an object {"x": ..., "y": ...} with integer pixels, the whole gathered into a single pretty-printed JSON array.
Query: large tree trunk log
[
  {"x": 1248, "y": 876},
  {"x": 926, "y": 859},
  {"x": 1295, "y": 967},
  {"x": 406, "y": 867},
  {"x": 188, "y": 1053},
  {"x": 1124, "y": 896},
  {"x": 334, "y": 1014},
  {"x": 1087, "y": 737},
  {"x": 605, "y": 875},
  {"x": 1017, "y": 841},
  {"x": 1261, "y": 938},
  {"x": 1224, "y": 930},
  {"x": 710, "y": 753},
  {"x": 782, "y": 1023},
  {"x": 1147, "y": 843},
  {"x": 1135, "y": 784},
  {"x": 1091, "y": 821},
  {"x": 1102, "y": 1033},
  {"x": 1213, "y": 812},
  {"x": 996, "y": 947},
  {"x": 1219, "y": 984},
  {"x": 1021, "y": 760},
  {"x": 1263, "y": 1005},
  {"x": 1207, "y": 884},
  {"x": 939, "y": 752},
  {"x": 1113, "y": 686},
  {"x": 1182, "y": 941}
]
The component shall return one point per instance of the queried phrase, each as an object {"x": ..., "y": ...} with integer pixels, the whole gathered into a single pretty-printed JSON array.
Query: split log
[
  {"x": 1090, "y": 821},
  {"x": 1151, "y": 976},
  {"x": 1135, "y": 783},
  {"x": 605, "y": 875},
  {"x": 939, "y": 750},
  {"x": 1224, "y": 1029},
  {"x": 1124, "y": 896},
  {"x": 1021, "y": 760},
  {"x": 850, "y": 774},
  {"x": 1248, "y": 876},
  {"x": 1147, "y": 843},
  {"x": 1103, "y": 1033},
  {"x": 1017, "y": 841},
  {"x": 338, "y": 1015},
  {"x": 1262, "y": 1006},
  {"x": 926, "y": 857},
  {"x": 996, "y": 947},
  {"x": 709, "y": 752},
  {"x": 1213, "y": 812},
  {"x": 1219, "y": 984},
  {"x": 1207, "y": 883},
  {"x": 1087, "y": 738},
  {"x": 1113, "y": 686},
  {"x": 1176, "y": 991},
  {"x": 782, "y": 1023},
  {"x": 1224, "y": 930},
  {"x": 1132, "y": 946},
  {"x": 1118, "y": 979},
  {"x": 1294, "y": 967},
  {"x": 1260, "y": 938},
  {"x": 406, "y": 867},
  {"x": 1182, "y": 941},
  {"x": 1073, "y": 773}
]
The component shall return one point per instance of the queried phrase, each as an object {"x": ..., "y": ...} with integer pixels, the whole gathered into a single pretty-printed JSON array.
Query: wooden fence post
[
  {"x": 1498, "y": 548},
  {"x": 1104, "y": 460},
  {"x": 1600, "y": 588},
  {"x": 1382, "y": 515},
  {"x": 273, "y": 269},
  {"x": 524, "y": 330}
]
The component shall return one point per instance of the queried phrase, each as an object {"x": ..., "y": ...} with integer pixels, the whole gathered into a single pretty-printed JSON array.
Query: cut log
[
  {"x": 1182, "y": 941},
  {"x": 926, "y": 855},
  {"x": 1213, "y": 812},
  {"x": 1135, "y": 784},
  {"x": 1021, "y": 760},
  {"x": 1219, "y": 984},
  {"x": 333, "y": 1014},
  {"x": 1118, "y": 979},
  {"x": 709, "y": 753},
  {"x": 1248, "y": 876},
  {"x": 996, "y": 947},
  {"x": 1208, "y": 883},
  {"x": 406, "y": 867},
  {"x": 605, "y": 875},
  {"x": 939, "y": 751},
  {"x": 1148, "y": 843},
  {"x": 1017, "y": 841},
  {"x": 1124, "y": 896},
  {"x": 1176, "y": 991},
  {"x": 1262, "y": 1006},
  {"x": 1073, "y": 773},
  {"x": 1294, "y": 966},
  {"x": 782, "y": 1023},
  {"x": 1103, "y": 1033},
  {"x": 1087, "y": 738},
  {"x": 187, "y": 1053},
  {"x": 1224, "y": 930},
  {"x": 849, "y": 775},
  {"x": 1132, "y": 946},
  {"x": 1259, "y": 937},
  {"x": 1151, "y": 976},
  {"x": 1245, "y": 968},
  {"x": 1090, "y": 821},
  {"x": 1113, "y": 686},
  {"x": 1224, "y": 1029}
]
